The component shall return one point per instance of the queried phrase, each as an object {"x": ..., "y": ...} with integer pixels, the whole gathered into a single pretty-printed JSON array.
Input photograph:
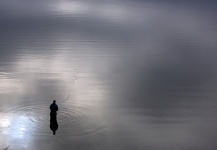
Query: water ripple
[{"x": 73, "y": 119}]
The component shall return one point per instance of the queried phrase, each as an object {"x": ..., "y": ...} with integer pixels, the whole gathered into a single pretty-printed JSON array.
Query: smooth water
[{"x": 126, "y": 75}]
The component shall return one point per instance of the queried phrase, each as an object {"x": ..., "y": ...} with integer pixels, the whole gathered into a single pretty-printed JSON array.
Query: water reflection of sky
[
  {"x": 16, "y": 128},
  {"x": 145, "y": 70}
]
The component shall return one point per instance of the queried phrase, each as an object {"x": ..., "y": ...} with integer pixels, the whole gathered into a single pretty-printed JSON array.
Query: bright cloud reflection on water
[
  {"x": 109, "y": 12},
  {"x": 71, "y": 7},
  {"x": 10, "y": 84},
  {"x": 17, "y": 129},
  {"x": 4, "y": 122}
]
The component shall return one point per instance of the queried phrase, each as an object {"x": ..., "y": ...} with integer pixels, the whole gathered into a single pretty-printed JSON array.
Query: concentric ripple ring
[{"x": 73, "y": 119}]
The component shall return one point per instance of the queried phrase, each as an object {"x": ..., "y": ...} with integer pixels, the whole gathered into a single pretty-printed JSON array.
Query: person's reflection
[
  {"x": 53, "y": 125},
  {"x": 53, "y": 117}
]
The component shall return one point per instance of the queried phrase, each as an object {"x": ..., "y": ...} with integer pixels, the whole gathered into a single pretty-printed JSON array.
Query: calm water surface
[{"x": 127, "y": 75}]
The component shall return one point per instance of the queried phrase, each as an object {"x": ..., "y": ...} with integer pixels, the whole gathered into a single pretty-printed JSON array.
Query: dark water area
[{"x": 126, "y": 75}]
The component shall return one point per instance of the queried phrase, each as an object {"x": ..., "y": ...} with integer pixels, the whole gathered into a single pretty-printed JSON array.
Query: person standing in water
[
  {"x": 53, "y": 110},
  {"x": 53, "y": 117}
]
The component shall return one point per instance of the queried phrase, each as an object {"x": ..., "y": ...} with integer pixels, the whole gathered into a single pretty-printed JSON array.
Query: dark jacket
[{"x": 53, "y": 107}]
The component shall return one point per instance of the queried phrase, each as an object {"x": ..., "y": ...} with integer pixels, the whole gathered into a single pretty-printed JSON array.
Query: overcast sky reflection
[{"x": 125, "y": 74}]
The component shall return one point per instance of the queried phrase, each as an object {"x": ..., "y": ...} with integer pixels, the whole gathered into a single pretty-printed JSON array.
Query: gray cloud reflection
[{"x": 127, "y": 75}]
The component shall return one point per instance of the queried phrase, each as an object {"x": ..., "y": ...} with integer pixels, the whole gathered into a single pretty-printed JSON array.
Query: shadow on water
[{"x": 53, "y": 122}]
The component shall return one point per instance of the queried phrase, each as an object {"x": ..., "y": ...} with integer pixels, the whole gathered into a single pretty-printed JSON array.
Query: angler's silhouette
[{"x": 53, "y": 117}]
